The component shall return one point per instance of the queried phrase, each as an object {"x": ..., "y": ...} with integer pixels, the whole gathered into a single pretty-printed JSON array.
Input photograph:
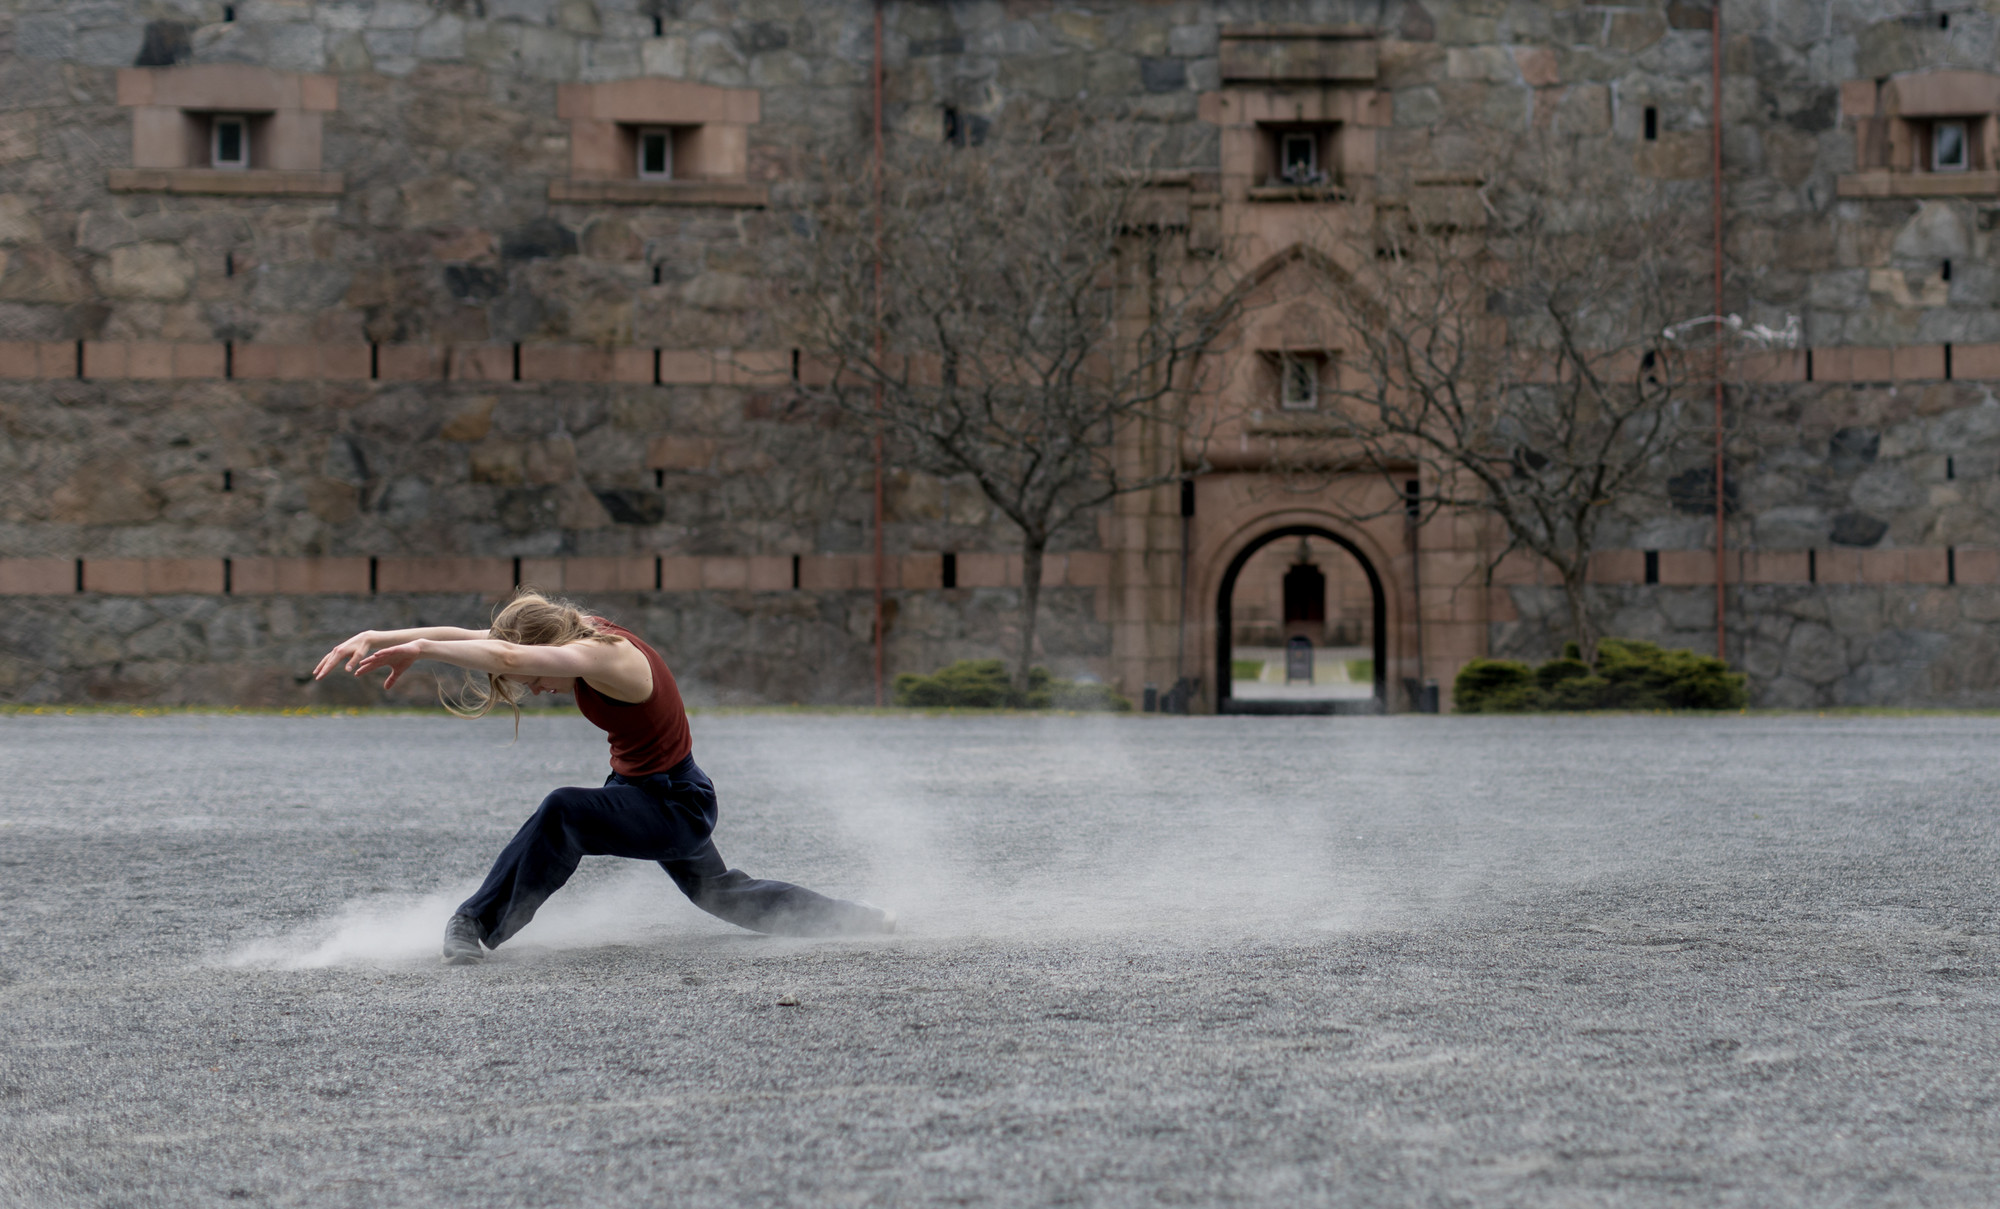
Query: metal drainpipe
[
  {"x": 1721, "y": 534},
  {"x": 880, "y": 561}
]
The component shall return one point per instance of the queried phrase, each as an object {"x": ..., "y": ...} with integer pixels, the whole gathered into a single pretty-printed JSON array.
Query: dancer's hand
[
  {"x": 351, "y": 652},
  {"x": 396, "y": 658}
]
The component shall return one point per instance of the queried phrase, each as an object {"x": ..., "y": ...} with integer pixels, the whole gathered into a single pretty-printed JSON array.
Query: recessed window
[
  {"x": 229, "y": 142},
  {"x": 1298, "y": 381},
  {"x": 1951, "y": 150},
  {"x": 656, "y": 154},
  {"x": 1298, "y": 159},
  {"x": 1652, "y": 123}
]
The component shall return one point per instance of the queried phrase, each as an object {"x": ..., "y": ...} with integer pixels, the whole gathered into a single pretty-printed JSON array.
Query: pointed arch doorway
[{"x": 1299, "y": 601}]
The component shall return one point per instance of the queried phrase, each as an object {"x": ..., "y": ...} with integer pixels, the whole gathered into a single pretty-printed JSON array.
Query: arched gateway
[{"x": 1224, "y": 632}]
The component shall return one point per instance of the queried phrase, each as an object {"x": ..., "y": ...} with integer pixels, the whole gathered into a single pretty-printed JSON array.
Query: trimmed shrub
[
  {"x": 1629, "y": 675},
  {"x": 1495, "y": 686},
  {"x": 985, "y": 684}
]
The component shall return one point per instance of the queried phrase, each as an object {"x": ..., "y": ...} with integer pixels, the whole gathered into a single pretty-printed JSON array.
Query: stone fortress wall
[{"x": 437, "y": 337}]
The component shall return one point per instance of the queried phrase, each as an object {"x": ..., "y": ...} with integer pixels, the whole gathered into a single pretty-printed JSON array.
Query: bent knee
[{"x": 562, "y": 803}]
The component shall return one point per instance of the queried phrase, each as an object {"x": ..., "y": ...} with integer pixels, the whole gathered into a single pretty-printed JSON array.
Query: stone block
[
  {"x": 921, "y": 571},
  {"x": 830, "y": 572},
  {"x": 1522, "y": 568},
  {"x": 1618, "y": 567},
  {"x": 1687, "y": 568},
  {"x": 770, "y": 572},
  {"x": 1857, "y": 98},
  {"x": 489, "y": 575},
  {"x": 1917, "y": 362},
  {"x": 989, "y": 570},
  {"x": 546, "y": 574},
  {"x": 686, "y": 367},
  {"x": 1975, "y": 361},
  {"x": 1839, "y": 566},
  {"x": 481, "y": 363},
  {"x": 1977, "y": 566},
  {"x": 299, "y": 577},
  {"x": 153, "y": 576},
  {"x": 723, "y": 574},
  {"x": 1884, "y": 566},
  {"x": 409, "y": 362},
  {"x": 1088, "y": 569},
  {"x": 680, "y": 453},
  {"x": 1925, "y": 565},
  {"x": 20, "y": 359},
  {"x": 680, "y": 574},
  {"x": 37, "y": 576},
  {"x": 1775, "y": 566},
  {"x": 1781, "y": 365},
  {"x": 302, "y": 362},
  {"x": 754, "y": 367},
  {"x": 121, "y": 577},
  {"x": 630, "y": 365},
  {"x": 604, "y": 574}
]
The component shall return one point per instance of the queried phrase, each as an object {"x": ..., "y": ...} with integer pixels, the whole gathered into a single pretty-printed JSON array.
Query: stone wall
[{"x": 447, "y": 340}]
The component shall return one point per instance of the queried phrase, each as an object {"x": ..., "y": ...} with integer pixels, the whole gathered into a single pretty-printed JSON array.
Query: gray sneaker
[{"x": 461, "y": 942}]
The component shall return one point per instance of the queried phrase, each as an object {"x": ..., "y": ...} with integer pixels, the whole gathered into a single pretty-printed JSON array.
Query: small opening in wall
[
  {"x": 1652, "y": 123},
  {"x": 659, "y": 272},
  {"x": 1812, "y": 566},
  {"x": 1652, "y": 566},
  {"x": 79, "y": 360},
  {"x": 1945, "y": 269},
  {"x": 795, "y": 572},
  {"x": 659, "y": 571},
  {"x": 1947, "y": 362},
  {"x": 1809, "y": 376},
  {"x": 229, "y": 480},
  {"x": 517, "y": 361},
  {"x": 228, "y": 358},
  {"x": 1951, "y": 566},
  {"x": 374, "y": 361},
  {"x": 656, "y": 367},
  {"x": 374, "y": 568},
  {"x": 517, "y": 572},
  {"x": 1944, "y": 20},
  {"x": 659, "y": 478},
  {"x": 795, "y": 365},
  {"x": 1950, "y": 468},
  {"x": 229, "y": 142},
  {"x": 949, "y": 571},
  {"x": 79, "y": 575},
  {"x": 659, "y": 26},
  {"x": 228, "y": 13},
  {"x": 229, "y": 264},
  {"x": 228, "y": 577}
]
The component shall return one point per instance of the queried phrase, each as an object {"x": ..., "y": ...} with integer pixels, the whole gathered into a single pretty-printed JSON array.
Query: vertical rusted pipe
[
  {"x": 1715, "y": 121},
  {"x": 880, "y": 561}
]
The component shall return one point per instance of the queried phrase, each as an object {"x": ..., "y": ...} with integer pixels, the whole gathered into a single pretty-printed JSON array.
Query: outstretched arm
[
  {"x": 609, "y": 662},
  {"x": 357, "y": 648}
]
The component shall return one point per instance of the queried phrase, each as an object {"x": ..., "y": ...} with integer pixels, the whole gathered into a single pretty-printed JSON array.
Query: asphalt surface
[{"x": 1145, "y": 961}]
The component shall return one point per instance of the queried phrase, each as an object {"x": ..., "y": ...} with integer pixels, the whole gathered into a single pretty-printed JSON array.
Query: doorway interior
[{"x": 1301, "y": 627}]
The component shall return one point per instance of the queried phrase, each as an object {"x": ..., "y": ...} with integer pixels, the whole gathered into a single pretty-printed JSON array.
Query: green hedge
[
  {"x": 1628, "y": 675},
  {"x": 985, "y": 684}
]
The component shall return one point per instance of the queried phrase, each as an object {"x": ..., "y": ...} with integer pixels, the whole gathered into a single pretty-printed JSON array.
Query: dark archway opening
[{"x": 1299, "y": 599}]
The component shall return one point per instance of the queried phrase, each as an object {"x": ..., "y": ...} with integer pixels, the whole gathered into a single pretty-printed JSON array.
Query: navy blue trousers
[{"x": 666, "y": 817}]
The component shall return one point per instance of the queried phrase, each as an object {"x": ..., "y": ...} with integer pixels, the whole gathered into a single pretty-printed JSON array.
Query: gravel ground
[{"x": 1433, "y": 961}]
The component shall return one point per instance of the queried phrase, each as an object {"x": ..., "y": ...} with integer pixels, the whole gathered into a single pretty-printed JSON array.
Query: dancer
[{"x": 656, "y": 805}]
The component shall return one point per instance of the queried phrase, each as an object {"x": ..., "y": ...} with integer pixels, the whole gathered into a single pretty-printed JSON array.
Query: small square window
[
  {"x": 229, "y": 142},
  {"x": 656, "y": 154},
  {"x": 1951, "y": 151},
  {"x": 1298, "y": 159},
  {"x": 1298, "y": 381}
]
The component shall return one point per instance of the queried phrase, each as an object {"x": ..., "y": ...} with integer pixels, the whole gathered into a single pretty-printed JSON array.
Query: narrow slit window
[
  {"x": 1950, "y": 150},
  {"x": 1652, "y": 123},
  {"x": 229, "y": 142},
  {"x": 1298, "y": 159},
  {"x": 1298, "y": 382},
  {"x": 656, "y": 155}
]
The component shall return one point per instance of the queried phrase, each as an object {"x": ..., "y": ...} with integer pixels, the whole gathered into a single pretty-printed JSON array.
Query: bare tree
[
  {"x": 1504, "y": 335},
  {"x": 1010, "y": 313}
]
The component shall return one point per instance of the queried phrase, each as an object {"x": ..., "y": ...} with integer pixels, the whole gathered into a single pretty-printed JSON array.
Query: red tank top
[{"x": 646, "y": 736}]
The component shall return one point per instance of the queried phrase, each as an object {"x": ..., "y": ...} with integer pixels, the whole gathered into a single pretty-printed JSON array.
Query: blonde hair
[{"x": 527, "y": 618}]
